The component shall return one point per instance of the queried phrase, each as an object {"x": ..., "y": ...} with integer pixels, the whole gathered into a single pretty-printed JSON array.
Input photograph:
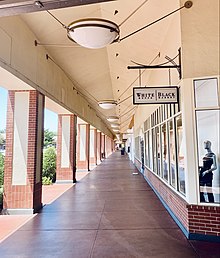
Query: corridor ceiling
[{"x": 100, "y": 74}]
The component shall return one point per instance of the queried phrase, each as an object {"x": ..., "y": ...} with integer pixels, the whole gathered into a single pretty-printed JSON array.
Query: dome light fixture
[
  {"x": 113, "y": 118},
  {"x": 115, "y": 125},
  {"x": 107, "y": 104},
  {"x": 93, "y": 32},
  {"x": 97, "y": 33},
  {"x": 116, "y": 130}
]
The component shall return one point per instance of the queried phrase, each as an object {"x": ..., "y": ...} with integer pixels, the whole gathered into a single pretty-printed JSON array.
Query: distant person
[{"x": 206, "y": 172}]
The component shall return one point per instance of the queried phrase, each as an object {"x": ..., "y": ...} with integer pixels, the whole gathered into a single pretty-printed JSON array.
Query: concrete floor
[{"x": 109, "y": 213}]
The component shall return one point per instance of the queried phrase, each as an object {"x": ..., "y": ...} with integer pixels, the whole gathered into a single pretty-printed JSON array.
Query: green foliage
[
  {"x": 2, "y": 139},
  {"x": 46, "y": 180},
  {"x": 49, "y": 164},
  {"x": 49, "y": 138},
  {"x": 2, "y": 161},
  {"x": 1, "y": 196}
]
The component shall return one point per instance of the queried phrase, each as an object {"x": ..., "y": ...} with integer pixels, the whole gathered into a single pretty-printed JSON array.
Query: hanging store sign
[{"x": 155, "y": 95}]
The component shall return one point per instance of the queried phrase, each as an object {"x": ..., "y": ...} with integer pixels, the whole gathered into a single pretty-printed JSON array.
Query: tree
[
  {"x": 2, "y": 139},
  {"x": 1, "y": 169},
  {"x": 49, "y": 164},
  {"x": 49, "y": 138}
]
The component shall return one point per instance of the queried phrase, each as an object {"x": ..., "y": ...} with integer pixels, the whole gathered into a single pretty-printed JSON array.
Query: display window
[
  {"x": 164, "y": 146},
  {"x": 150, "y": 150},
  {"x": 206, "y": 93},
  {"x": 180, "y": 154},
  {"x": 172, "y": 152},
  {"x": 137, "y": 147},
  {"x": 209, "y": 153},
  {"x": 165, "y": 157},
  {"x": 147, "y": 159},
  {"x": 207, "y": 110},
  {"x": 158, "y": 156},
  {"x": 154, "y": 140}
]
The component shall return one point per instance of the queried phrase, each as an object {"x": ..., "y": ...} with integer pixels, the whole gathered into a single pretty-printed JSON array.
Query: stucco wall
[{"x": 200, "y": 39}]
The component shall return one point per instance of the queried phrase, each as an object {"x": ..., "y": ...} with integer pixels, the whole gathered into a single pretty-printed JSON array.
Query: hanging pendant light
[
  {"x": 113, "y": 118},
  {"x": 107, "y": 104},
  {"x": 115, "y": 126},
  {"x": 93, "y": 33}
]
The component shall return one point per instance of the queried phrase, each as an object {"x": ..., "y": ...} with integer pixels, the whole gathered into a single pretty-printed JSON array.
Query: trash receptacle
[{"x": 122, "y": 151}]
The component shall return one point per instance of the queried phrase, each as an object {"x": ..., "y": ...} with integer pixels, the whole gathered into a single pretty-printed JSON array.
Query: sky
[{"x": 50, "y": 119}]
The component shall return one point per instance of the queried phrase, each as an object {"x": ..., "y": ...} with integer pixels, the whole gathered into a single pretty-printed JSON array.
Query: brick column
[
  {"x": 93, "y": 147},
  {"x": 99, "y": 142},
  {"x": 83, "y": 149},
  {"x": 23, "y": 159},
  {"x": 66, "y": 148}
]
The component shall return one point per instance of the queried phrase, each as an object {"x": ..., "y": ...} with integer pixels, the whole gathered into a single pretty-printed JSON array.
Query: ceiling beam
[{"x": 12, "y": 7}]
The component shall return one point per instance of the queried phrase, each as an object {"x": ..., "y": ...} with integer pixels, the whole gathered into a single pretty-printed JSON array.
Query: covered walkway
[{"x": 109, "y": 213}]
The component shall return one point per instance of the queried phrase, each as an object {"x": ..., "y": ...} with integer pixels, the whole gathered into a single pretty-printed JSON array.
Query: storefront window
[
  {"x": 137, "y": 148},
  {"x": 147, "y": 149},
  {"x": 180, "y": 155},
  {"x": 150, "y": 150},
  {"x": 154, "y": 139},
  {"x": 172, "y": 153},
  {"x": 206, "y": 93},
  {"x": 208, "y": 131},
  {"x": 158, "y": 157},
  {"x": 165, "y": 159},
  {"x": 207, "y": 105}
]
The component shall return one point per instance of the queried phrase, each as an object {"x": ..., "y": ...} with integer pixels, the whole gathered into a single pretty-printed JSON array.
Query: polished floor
[{"x": 109, "y": 213}]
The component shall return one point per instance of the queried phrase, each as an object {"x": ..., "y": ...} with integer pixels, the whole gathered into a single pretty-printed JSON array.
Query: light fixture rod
[
  {"x": 53, "y": 45},
  {"x": 158, "y": 55},
  {"x": 127, "y": 112},
  {"x": 124, "y": 99},
  {"x": 40, "y": 5},
  {"x": 130, "y": 15},
  {"x": 148, "y": 25},
  {"x": 63, "y": 25}
]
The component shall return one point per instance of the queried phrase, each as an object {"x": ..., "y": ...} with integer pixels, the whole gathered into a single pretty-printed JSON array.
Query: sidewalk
[
  {"x": 10, "y": 223},
  {"x": 111, "y": 213}
]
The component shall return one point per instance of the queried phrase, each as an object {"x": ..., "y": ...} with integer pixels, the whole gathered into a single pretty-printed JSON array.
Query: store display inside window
[{"x": 206, "y": 173}]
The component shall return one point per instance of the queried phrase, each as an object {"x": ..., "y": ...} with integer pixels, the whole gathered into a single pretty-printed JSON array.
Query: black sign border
[{"x": 166, "y": 87}]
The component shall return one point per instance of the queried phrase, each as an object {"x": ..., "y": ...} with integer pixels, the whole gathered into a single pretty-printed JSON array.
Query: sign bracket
[{"x": 176, "y": 66}]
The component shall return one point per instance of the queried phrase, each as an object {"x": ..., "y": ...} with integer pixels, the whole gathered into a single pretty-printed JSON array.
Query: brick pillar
[
  {"x": 93, "y": 147},
  {"x": 66, "y": 148},
  {"x": 83, "y": 149},
  {"x": 23, "y": 159},
  {"x": 99, "y": 142}
]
